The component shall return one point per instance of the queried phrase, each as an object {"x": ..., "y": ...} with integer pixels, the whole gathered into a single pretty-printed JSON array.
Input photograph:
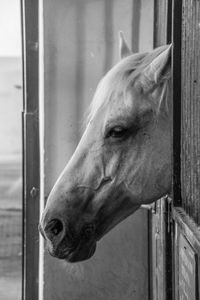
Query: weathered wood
[
  {"x": 186, "y": 227},
  {"x": 190, "y": 110}
]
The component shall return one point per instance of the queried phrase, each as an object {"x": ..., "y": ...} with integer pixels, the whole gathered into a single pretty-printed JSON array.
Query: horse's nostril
[{"x": 54, "y": 227}]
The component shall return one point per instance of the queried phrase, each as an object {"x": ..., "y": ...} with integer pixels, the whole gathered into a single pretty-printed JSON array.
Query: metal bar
[
  {"x": 169, "y": 21},
  {"x": 176, "y": 82},
  {"x": 31, "y": 206},
  {"x": 31, "y": 54},
  {"x": 31, "y": 165}
]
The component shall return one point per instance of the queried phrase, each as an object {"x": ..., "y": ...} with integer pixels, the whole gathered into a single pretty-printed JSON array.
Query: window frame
[{"x": 31, "y": 148}]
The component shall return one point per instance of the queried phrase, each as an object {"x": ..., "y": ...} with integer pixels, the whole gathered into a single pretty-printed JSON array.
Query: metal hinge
[
  {"x": 169, "y": 213},
  {"x": 151, "y": 207}
]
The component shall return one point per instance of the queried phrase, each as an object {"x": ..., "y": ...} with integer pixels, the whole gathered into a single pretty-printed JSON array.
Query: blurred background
[{"x": 10, "y": 150}]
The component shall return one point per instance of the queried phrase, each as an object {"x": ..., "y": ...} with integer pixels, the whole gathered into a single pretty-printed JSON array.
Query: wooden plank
[
  {"x": 31, "y": 174},
  {"x": 186, "y": 148},
  {"x": 186, "y": 228},
  {"x": 190, "y": 110},
  {"x": 158, "y": 245},
  {"x": 197, "y": 63},
  {"x": 187, "y": 270}
]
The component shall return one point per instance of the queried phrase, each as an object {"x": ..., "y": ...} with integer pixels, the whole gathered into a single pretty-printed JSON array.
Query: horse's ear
[
  {"x": 158, "y": 70},
  {"x": 124, "y": 50}
]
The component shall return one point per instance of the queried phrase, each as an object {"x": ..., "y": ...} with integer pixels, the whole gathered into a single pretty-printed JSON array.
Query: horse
[{"x": 123, "y": 160}]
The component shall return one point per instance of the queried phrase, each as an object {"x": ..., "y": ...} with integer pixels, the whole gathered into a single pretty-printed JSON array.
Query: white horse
[{"x": 123, "y": 159}]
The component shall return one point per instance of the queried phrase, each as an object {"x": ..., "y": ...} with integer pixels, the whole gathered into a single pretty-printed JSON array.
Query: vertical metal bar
[
  {"x": 176, "y": 82},
  {"x": 184, "y": 93},
  {"x": 169, "y": 21},
  {"x": 31, "y": 165},
  {"x": 23, "y": 171},
  {"x": 23, "y": 215}
]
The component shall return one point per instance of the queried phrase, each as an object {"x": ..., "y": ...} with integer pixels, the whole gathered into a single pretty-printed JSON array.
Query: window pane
[{"x": 10, "y": 152}]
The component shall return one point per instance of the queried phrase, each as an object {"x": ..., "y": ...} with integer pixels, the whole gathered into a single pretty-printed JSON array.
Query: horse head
[{"x": 123, "y": 159}]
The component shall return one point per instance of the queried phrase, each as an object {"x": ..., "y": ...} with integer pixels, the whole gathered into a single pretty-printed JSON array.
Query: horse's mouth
[{"x": 79, "y": 253}]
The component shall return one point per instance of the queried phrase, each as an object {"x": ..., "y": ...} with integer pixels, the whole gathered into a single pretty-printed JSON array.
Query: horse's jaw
[{"x": 104, "y": 230}]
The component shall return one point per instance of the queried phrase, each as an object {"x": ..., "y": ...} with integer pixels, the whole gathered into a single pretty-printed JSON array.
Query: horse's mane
[{"x": 121, "y": 77}]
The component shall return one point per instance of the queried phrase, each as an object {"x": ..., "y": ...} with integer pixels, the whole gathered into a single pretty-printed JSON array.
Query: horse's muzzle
[
  {"x": 80, "y": 252},
  {"x": 65, "y": 244}
]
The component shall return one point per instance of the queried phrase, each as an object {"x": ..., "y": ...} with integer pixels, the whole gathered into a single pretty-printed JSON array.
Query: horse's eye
[{"x": 116, "y": 132}]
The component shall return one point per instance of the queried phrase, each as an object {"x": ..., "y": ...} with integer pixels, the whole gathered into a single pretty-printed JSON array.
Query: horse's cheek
[
  {"x": 163, "y": 183},
  {"x": 112, "y": 164}
]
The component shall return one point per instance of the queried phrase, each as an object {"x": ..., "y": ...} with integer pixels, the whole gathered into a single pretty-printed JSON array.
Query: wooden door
[
  {"x": 176, "y": 253},
  {"x": 186, "y": 207}
]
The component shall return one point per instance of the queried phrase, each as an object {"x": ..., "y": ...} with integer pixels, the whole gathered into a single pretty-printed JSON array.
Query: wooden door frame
[
  {"x": 31, "y": 151},
  {"x": 160, "y": 247},
  {"x": 183, "y": 224}
]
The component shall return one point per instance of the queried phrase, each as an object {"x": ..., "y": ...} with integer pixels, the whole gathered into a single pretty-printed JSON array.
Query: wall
[{"x": 81, "y": 44}]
